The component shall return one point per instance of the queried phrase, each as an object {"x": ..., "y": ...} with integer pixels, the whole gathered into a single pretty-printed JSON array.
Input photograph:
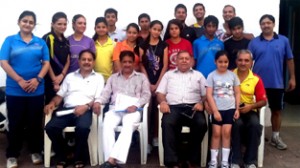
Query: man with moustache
[
  {"x": 78, "y": 91},
  {"x": 270, "y": 52}
]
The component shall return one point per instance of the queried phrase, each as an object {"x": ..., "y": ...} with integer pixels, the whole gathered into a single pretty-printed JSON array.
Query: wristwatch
[
  {"x": 39, "y": 79},
  {"x": 89, "y": 107}
]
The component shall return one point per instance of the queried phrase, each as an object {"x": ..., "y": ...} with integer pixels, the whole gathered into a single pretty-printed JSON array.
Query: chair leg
[
  {"x": 47, "y": 150},
  {"x": 143, "y": 145},
  {"x": 160, "y": 145}
]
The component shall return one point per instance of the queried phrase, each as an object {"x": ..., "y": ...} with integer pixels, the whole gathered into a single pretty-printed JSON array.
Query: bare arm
[
  {"x": 164, "y": 107},
  {"x": 53, "y": 104},
  {"x": 143, "y": 70},
  {"x": 291, "y": 69},
  {"x": 165, "y": 66}
]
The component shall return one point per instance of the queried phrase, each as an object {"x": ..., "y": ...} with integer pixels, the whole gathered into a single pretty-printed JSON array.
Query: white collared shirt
[
  {"x": 181, "y": 88},
  {"x": 77, "y": 90}
]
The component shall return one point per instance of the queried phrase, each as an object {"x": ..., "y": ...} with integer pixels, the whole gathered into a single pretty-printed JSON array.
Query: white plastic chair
[
  {"x": 143, "y": 132},
  {"x": 185, "y": 129},
  {"x": 261, "y": 147},
  {"x": 92, "y": 141}
]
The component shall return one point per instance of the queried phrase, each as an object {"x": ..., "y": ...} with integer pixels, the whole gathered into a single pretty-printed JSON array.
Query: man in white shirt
[
  {"x": 78, "y": 91},
  {"x": 130, "y": 83},
  {"x": 181, "y": 94}
]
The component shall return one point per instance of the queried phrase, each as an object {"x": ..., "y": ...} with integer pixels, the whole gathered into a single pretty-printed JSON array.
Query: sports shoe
[
  {"x": 212, "y": 164},
  {"x": 278, "y": 143},
  {"x": 235, "y": 166},
  {"x": 11, "y": 162},
  {"x": 36, "y": 158},
  {"x": 225, "y": 165},
  {"x": 108, "y": 165},
  {"x": 250, "y": 166}
]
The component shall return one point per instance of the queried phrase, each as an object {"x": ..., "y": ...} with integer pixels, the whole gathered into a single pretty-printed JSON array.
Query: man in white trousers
[{"x": 129, "y": 83}]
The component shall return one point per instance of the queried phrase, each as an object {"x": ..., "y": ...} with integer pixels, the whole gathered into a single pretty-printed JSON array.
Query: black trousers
[
  {"x": 171, "y": 132},
  {"x": 82, "y": 125},
  {"x": 246, "y": 130},
  {"x": 25, "y": 117}
]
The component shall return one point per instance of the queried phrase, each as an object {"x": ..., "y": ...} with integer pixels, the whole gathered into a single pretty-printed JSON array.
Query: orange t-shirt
[{"x": 121, "y": 46}]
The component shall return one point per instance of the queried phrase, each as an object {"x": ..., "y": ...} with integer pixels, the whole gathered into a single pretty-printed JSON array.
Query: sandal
[
  {"x": 61, "y": 164},
  {"x": 78, "y": 164}
]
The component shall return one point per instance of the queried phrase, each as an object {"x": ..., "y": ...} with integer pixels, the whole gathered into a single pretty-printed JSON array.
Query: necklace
[{"x": 151, "y": 47}]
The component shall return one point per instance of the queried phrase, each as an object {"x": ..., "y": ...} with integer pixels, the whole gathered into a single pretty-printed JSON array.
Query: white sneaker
[
  {"x": 11, "y": 162},
  {"x": 278, "y": 143},
  {"x": 225, "y": 165},
  {"x": 250, "y": 166},
  {"x": 36, "y": 158},
  {"x": 212, "y": 164}
]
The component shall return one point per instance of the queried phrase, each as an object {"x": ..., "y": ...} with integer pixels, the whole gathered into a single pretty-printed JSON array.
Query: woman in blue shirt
[{"x": 25, "y": 59}]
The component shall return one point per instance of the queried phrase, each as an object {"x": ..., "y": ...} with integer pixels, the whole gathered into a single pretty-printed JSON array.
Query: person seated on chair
[
  {"x": 78, "y": 91},
  {"x": 126, "y": 82},
  {"x": 181, "y": 94},
  {"x": 247, "y": 127}
]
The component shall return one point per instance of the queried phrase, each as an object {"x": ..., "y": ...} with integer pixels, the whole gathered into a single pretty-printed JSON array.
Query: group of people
[{"x": 192, "y": 70}]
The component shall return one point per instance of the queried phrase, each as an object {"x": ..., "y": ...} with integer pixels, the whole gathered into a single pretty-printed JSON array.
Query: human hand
[
  {"x": 217, "y": 116},
  {"x": 97, "y": 108},
  {"x": 236, "y": 114},
  {"x": 49, "y": 108},
  {"x": 164, "y": 107},
  {"x": 23, "y": 84},
  {"x": 291, "y": 85},
  {"x": 80, "y": 110},
  {"x": 58, "y": 79},
  {"x": 56, "y": 87},
  {"x": 131, "y": 109},
  {"x": 198, "y": 107},
  {"x": 32, "y": 85},
  {"x": 245, "y": 109}
]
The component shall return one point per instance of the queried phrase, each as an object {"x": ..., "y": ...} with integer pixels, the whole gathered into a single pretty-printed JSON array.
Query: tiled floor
[{"x": 274, "y": 158}]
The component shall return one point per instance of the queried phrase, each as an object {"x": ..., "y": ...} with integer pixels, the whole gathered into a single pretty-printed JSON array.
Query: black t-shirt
[
  {"x": 232, "y": 47},
  {"x": 188, "y": 33},
  {"x": 153, "y": 63},
  {"x": 61, "y": 51}
]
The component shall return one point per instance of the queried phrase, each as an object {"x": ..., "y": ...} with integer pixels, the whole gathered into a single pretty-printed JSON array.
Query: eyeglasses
[{"x": 189, "y": 113}]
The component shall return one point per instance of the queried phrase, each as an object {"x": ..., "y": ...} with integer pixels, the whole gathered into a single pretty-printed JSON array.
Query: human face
[
  {"x": 184, "y": 61},
  {"x": 60, "y": 26},
  {"x": 155, "y": 31},
  {"x": 101, "y": 29},
  {"x": 267, "y": 26},
  {"x": 111, "y": 19},
  {"x": 180, "y": 14},
  {"x": 210, "y": 30},
  {"x": 132, "y": 34},
  {"x": 174, "y": 31},
  {"x": 80, "y": 25},
  {"x": 127, "y": 65},
  {"x": 244, "y": 62},
  {"x": 86, "y": 62},
  {"x": 222, "y": 63},
  {"x": 144, "y": 23},
  {"x": 199, "y": 12},
  {"x": 27, "y": 24},
  {"x": 237, "y": 32},
  {"x": 228, "y": 13}
]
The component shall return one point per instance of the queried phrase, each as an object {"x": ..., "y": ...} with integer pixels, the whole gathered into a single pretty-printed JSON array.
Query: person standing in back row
[
  {"x": 111, "y": 16},
  {"x": 187, "y": 32},
  {"x": 270, "y": 52}
]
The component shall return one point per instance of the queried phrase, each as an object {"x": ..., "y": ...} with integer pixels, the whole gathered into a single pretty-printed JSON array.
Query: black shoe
[{"x": 108, "y": 165}]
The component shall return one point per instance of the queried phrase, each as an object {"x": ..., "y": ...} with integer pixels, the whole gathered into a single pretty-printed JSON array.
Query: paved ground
[{"x": 274, "y": 158}]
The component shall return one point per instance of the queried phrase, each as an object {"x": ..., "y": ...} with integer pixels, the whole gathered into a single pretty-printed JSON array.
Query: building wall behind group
[{"x": 128, "y": 11}]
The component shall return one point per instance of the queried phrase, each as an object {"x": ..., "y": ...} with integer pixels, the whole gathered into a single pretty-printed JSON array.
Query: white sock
[
  {"x": 225, "y": 155},
  {"x": 275, "y": 134},
  {"x": 214, "y": 155}
]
